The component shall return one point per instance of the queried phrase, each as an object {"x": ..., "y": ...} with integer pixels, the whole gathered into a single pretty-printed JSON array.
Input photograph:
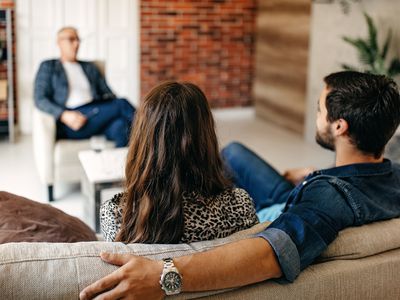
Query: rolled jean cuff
[{"x": 285, "y": 250}]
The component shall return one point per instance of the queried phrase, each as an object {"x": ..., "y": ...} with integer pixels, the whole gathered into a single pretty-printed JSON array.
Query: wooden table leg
[{"x": 97, "y": 204}]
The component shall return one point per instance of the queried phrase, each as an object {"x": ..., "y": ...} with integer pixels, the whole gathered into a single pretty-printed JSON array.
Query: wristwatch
[{"x": 171, "y": 280}]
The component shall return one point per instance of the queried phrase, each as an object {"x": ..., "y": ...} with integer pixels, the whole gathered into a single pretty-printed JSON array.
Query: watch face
[{"x": 172, "y": 281}]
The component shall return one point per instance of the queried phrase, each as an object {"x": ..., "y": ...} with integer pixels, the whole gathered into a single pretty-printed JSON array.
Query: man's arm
[
  {"x": 232, "y": 265},
  {"x": 43, "y": 91},
  {"x": 101, "y": 86},
  {"x": 44, "y": 94}
]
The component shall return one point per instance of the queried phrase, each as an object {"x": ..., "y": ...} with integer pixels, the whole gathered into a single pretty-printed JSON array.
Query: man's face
[
  {"x": 324, "y": 136},
  {"x": 68, "y": 41}
]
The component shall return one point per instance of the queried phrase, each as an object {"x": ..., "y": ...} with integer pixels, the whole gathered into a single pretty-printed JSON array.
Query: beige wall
[
  {"x": 328, "y": 51},
  {"x": 280, "y": 81}
]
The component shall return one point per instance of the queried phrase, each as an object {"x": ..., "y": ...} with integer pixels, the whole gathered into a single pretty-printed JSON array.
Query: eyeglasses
[{"x": 71, "y": 39}]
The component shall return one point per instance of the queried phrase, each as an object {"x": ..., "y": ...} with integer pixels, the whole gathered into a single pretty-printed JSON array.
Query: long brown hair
[{"x": 173, "y": 149}]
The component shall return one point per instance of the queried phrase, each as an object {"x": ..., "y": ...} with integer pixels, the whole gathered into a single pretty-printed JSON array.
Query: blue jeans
[
  {"x": 113, "y": 118},
  {"x": 265, "y": 185}
]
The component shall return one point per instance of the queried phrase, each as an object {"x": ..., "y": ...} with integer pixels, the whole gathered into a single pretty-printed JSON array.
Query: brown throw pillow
[{"x": 24, "y": 220}]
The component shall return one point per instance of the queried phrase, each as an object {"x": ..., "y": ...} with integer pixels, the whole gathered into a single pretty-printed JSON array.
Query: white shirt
[{"x": 78, "y": 85}]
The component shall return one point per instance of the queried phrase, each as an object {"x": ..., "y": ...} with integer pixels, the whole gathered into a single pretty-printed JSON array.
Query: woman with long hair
[{"x": 175, "y": 189}]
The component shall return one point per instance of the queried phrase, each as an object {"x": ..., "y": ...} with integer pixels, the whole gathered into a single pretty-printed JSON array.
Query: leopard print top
[{"x": 204, "y": 218}]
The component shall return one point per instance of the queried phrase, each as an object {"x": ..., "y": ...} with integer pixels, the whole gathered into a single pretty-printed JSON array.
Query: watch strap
[{"x": 169, "y": 267}]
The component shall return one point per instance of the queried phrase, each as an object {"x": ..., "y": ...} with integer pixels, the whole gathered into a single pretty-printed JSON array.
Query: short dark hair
[{"x": 369, "y": 103}]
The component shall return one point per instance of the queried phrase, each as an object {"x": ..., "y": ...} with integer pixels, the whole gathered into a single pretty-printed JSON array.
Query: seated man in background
[
  {"x": 357, "y": 115},
  {"x": 78, "y": 97}
]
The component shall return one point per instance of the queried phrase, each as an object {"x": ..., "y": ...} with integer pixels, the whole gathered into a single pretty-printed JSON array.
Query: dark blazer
[{"x": 51, "y": 86}]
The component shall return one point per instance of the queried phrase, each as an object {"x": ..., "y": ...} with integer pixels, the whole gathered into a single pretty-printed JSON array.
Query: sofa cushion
[
  {"x": 23, "y": 220},
  {"x": 366, "y": 240}
]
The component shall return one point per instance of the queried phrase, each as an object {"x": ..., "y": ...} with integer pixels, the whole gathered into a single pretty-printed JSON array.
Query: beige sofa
[{"x": 362, "y": 263}]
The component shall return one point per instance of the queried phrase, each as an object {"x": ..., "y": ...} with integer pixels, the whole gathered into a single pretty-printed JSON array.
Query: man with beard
[{"x": 357, "y": 115}]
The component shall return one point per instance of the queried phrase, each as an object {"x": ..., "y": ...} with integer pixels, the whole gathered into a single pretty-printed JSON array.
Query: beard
[{"x": 325, "y": 139}]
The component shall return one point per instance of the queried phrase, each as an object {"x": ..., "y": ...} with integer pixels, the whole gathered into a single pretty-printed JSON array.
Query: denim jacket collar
[
  {"x": 347, "y": 171},
  {"x": 360, "y": 169}
]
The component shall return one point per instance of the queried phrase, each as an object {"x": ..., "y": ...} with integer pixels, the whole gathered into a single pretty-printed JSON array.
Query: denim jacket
[
  {"x": 51, "y": 86},
  {"x": 328, "y": 201}
]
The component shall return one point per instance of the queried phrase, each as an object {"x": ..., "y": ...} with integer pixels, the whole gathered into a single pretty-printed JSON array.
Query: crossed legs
[{"x": 113, "y": 118}]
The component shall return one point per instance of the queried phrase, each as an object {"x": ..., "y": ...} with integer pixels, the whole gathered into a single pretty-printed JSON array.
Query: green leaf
[
  {"x": 379, "y": 66},
  {"x": 348, "y": 67},
  {"x": 364, "y": 51},
  {"x": 394, "y": 68},
  {"x": 387, "y": 44},
  {"x": 372, "y": 35}
]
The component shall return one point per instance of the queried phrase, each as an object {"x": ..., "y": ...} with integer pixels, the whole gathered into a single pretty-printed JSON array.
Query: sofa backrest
[
  {"x": 61, "y": 270},
  {"x": 366, "y": 240}
]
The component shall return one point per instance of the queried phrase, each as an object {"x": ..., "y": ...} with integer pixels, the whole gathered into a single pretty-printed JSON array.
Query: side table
[{"x": 102, "y": 170}]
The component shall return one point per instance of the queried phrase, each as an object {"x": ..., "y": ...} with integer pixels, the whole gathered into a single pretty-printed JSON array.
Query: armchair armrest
[{"x": 44, "y": 137}]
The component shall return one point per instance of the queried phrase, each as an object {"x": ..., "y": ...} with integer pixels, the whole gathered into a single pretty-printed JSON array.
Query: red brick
[{"x": 207, "y": 42}]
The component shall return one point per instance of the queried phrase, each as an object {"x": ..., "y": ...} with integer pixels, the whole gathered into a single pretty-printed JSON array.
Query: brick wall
[
  {"x": 210, "y": 43},
  {"x": 7, "y": 4}
]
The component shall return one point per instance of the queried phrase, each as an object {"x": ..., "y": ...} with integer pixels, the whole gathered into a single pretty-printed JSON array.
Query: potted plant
[{"x": 371, "y": 55}]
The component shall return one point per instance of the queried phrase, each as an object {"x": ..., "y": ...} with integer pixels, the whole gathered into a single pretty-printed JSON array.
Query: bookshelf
[{"x": 8, "y": 106}]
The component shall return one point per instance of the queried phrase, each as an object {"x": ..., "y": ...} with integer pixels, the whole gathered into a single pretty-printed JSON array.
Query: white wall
[{"x": 327, "y": 49}]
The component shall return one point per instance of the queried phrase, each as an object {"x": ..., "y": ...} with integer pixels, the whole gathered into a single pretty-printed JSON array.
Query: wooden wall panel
[{"x": 279, "y": 87}]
